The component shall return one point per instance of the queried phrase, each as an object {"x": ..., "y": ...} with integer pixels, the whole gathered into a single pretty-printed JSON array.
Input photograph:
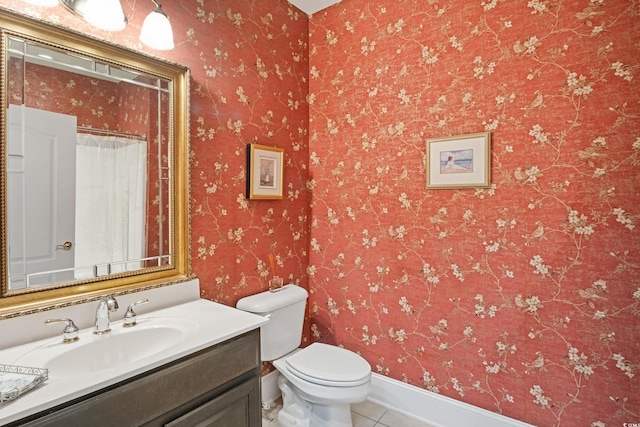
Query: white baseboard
[
  {"x": 432, "y": 408},
  {"x": 270, "y": 390}
]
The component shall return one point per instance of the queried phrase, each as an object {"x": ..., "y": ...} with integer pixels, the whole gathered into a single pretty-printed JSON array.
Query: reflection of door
[{"x": 41, "y": 195}]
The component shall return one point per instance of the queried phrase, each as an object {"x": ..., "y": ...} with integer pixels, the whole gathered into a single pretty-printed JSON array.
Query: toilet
[{"x": 319, "y": 382}]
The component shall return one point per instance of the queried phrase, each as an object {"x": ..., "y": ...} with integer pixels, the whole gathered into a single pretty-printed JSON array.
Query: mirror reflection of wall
[{"x": 107, "y": 195}]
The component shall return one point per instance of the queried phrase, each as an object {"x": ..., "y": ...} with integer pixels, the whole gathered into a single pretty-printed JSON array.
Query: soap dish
[{"x": 17, "y": 380}]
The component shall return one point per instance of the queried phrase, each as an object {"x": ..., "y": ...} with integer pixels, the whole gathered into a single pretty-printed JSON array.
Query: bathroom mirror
[{"x": 94, "y": 175}]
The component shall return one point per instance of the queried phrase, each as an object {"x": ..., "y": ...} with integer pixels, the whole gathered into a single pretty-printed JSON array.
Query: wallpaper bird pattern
[{"x": 522, "y": 298}]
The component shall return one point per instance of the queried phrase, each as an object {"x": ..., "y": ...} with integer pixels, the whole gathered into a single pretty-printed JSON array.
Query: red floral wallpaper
[
  {"x": 249, "y": 84},
  {"x": 523, "y": 298}
]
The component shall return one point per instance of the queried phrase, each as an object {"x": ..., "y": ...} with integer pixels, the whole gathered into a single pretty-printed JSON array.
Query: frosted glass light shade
[
  {"x": 42, "y": 3},
  {"x": 105, "y": 14},
  {"x": 156, "y": 31}
]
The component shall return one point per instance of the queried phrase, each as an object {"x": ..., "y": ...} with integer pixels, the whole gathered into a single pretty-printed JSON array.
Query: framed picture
[
  {"x": 462, "y": 161},
  {"x": 265, "y": 167}
]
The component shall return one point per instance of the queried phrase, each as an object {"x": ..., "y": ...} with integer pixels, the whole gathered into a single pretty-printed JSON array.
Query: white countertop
[{"x": 215, "y": 323}]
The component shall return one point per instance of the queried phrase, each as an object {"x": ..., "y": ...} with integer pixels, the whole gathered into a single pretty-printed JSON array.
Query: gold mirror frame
[{"x": 18, "y": 304}]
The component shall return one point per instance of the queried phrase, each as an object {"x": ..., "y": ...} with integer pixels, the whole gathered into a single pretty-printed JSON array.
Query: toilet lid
[{"x": 329, "y": 365}]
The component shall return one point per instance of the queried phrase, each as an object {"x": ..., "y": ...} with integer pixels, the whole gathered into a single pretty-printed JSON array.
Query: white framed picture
[
  {"x": 265, "y": 167},
  {"x": 462, "y": 161}
]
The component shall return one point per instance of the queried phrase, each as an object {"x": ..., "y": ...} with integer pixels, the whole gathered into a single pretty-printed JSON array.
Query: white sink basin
[
  {"x": 95, "y": 362},
  {"x": 93, "y": 353}
]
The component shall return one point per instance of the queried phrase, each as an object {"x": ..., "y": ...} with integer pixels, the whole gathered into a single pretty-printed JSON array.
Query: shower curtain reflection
[{"x": 110, "y": 204}]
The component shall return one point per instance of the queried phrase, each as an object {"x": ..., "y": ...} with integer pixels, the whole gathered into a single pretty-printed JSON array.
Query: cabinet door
[{"x": 235, "y": 408}]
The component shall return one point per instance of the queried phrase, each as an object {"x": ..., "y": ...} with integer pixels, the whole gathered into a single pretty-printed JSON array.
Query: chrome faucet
[{"x": 105, "y": 306}]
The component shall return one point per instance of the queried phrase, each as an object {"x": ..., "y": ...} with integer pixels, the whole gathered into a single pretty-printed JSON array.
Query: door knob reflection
[{"x": 65, "y": 246}]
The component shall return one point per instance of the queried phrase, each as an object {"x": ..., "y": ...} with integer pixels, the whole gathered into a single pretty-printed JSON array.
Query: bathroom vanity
[
  {"x": 193, "y": 363},
  {"x": 219, "y": 385}
]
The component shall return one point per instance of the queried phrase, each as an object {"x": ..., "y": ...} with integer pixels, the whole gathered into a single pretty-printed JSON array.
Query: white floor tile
[
  {"x": 365, "y": 414},
  {"x": 362, "y": 421},
  {"x": 369, "y": 410},
  {"x": 396, "y": 419}
]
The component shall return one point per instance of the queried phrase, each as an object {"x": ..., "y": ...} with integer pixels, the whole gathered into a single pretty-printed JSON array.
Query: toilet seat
[{"x": 329, "y": 365}]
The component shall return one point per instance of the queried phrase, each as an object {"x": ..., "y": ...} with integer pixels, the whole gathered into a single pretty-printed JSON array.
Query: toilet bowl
[
  {"x": 327, "y": 374},
  {"x": 318, "y": 383}
]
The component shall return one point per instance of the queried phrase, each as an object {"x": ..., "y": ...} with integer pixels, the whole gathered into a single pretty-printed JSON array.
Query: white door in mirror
[{"x": 41, "y": 191}]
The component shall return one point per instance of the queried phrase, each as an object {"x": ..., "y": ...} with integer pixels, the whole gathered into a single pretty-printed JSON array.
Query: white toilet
[{"x": 319, "y": 382}]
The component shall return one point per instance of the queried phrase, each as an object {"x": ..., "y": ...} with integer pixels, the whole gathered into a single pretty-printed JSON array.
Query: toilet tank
[{"x": 285, "y": 310}]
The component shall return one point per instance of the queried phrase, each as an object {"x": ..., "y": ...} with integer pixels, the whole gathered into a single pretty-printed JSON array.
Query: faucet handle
[
  {"x": 70, "y": 331},
  {"x": 130, "y": 315}
]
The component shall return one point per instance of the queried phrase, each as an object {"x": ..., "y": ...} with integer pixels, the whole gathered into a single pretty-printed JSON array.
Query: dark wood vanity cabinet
[{"x": 217, "y": 386}]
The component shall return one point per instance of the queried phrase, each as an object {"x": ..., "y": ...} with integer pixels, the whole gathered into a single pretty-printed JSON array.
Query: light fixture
[
  {"x": 156, "y": 29},
  {"x": 108, "y": 15},
  {"x": 104, "y": 14},
  {"x": 42, "y": 3}
]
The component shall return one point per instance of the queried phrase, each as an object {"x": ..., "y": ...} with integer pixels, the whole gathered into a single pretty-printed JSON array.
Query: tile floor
[{"x": 365, "y": 414}]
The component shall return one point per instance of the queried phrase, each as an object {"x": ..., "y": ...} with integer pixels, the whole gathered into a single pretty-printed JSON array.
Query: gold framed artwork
[
  {"x": 265, "y": 168},
  {"x": 462, "y": 161}
]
